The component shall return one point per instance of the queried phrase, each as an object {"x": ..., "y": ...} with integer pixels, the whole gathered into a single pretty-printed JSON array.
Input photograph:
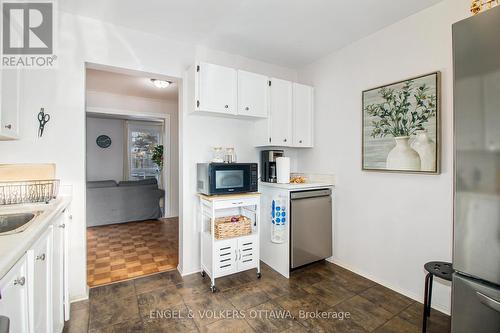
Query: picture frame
[{"x": 401, "y": 130}]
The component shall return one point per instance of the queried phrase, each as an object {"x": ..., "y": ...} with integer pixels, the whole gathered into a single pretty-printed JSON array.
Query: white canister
[{"x": 283, "y": 170}]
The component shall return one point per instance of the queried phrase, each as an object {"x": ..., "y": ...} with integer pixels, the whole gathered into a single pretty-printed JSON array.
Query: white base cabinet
[
  {"x": 60, "y": 296},
  {"x": 14, "y": 297},
  {"x": 40, "y": 268},
  {"x": 34, "y": 293},
  {"x": 228, "y": 256}
]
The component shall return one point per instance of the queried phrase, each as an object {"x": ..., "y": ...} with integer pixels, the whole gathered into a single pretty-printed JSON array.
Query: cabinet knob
[
  {"x": 284, "y": 140},
  {"x": 40, "y": 257},
  {"x": 9, "y": 126},
  {"x": 20, "y": 281},
  {"x": 62, "y": 226},
  {"x": 300, "y": 141},
  {"x": 226, "y": 106},
  {"x": 247, "y": 108}
]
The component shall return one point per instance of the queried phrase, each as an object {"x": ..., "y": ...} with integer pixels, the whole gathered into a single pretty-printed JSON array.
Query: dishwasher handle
[{"x": 310, "y": 194}]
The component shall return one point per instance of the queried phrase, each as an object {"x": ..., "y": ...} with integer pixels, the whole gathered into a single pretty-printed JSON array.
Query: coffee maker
[{"x": 268, "y": 164}]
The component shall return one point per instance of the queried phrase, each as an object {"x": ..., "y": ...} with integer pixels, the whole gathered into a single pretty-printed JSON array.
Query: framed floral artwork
[{"x": 401, "y": 130}]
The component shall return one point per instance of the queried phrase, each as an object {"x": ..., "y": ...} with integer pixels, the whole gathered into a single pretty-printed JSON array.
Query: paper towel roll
[{"x": 283, "y": 170}]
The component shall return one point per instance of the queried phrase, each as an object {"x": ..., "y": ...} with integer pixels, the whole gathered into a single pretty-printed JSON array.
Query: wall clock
[{"x": 103, "y": 141}]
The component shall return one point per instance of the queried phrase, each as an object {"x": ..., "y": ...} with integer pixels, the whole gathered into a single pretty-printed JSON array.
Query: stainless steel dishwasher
[{"x": 310, "y": 226}]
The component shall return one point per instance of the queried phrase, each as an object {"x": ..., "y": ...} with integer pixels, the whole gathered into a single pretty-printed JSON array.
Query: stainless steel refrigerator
[{"x": 476, "y": 244}]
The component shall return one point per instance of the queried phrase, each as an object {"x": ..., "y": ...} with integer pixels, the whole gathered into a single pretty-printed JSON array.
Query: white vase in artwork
[
  {"x": 403, "y": 157},
  {"x": 426, "y": 149}
]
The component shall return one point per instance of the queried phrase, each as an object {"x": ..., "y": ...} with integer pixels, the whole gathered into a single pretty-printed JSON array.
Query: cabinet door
[
  {"x": 253, "y": 94},
  {"x": 280, "y": 113},
  {"x": 302, "y": 115},
  {"x": 58, "y": 274},
  {"x": 10, "y": 103},
  {"x": 41, "y": 294},
  {"x": 216, "y": 88},
  {"x": 14, "y": 297},
  {"x": 225, "y": 256},
  {"x": 248, "y": 253}
]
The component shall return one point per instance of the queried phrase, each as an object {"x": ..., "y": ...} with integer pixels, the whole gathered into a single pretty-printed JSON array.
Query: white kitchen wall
[
  {"x": 105, "y": 164},
  {"x": 130, "y": 105},
  {"x": 62, "y": 92},
  {"x": 386, "y": 225}
]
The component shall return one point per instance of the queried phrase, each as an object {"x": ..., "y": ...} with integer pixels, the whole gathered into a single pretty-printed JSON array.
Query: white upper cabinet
[
  {"x": 280, "y": 116},
  {"x": 215, "y": 89},
  {"x": 253, "y": 94},
  {"x": 10, "y": 97},
  {"x": 282, "y": 110},
  {"x": 303, "y": 115}
]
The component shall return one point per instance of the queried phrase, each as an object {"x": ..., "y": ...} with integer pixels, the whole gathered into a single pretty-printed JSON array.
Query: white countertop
[
  {"x": 13, "y": 247},
  {"x": 293, "y": 187}
]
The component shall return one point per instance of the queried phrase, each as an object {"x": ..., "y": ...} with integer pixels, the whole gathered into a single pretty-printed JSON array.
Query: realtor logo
[{"x": 28, "y": 34}]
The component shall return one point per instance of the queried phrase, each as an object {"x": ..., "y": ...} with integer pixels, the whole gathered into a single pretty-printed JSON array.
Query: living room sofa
[{"x": 109, "y": 202}]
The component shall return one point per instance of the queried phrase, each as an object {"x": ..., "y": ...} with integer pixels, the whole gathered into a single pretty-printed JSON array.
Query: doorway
[{"x": 132, "y": 174}]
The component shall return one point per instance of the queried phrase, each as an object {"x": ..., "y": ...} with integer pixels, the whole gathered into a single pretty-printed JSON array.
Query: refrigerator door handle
[{"x": 488, "y": 301}]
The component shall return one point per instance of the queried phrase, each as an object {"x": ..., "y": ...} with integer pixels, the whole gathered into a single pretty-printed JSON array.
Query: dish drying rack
[{"x": 32, "y": 191}]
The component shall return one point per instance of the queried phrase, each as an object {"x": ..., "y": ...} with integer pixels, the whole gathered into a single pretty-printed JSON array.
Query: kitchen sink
[{"x": 14, "y": 223}]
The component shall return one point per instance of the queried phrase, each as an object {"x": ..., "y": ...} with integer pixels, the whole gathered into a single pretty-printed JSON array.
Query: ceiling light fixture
[{"x": 161, "y": 83}]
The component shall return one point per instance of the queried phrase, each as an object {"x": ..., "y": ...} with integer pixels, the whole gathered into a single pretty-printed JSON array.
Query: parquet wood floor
[{"x": 124, "y": 251}]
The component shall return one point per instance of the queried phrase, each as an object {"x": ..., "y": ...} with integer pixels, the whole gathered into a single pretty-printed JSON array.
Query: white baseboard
[
  {"x": 79, "y": 298},
  {"x": 440, "y": 307},
  {"x": 188, "y": 272}
]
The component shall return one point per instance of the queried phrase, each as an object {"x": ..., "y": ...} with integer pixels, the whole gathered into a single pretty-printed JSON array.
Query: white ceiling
[
  {"x": 290, "y": 33},
  {"x": 130, "y": 85}
]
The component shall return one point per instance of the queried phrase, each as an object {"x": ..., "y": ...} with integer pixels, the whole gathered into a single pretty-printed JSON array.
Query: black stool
[{"x": 440, "y": 269}]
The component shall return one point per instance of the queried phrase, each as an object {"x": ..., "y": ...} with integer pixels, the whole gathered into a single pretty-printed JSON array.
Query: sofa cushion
[
  {"x": 148, "y": 181},
  {"x": 101, "y": 183}
]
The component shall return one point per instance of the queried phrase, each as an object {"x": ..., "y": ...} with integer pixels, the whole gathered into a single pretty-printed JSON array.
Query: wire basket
[{"x": 28, "y": 191}]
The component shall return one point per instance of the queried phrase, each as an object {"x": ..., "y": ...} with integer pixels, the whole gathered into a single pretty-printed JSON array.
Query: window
[{"x": 142, "y": 138}]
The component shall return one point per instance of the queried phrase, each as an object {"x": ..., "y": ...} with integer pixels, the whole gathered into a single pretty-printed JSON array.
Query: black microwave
[{"x": 226, "y": 178}]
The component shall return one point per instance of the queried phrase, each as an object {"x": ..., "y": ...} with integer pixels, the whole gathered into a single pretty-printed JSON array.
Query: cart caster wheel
[
  {"x": 213, "y": 289},
  {"x": 203, "y": 273},
  {"x": 259, "y": 275}
]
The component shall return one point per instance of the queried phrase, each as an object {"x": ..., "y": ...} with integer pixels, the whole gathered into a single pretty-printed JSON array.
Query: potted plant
[
  {"x": 403, "y": 113},
  {"x": 158, "y": 156}
]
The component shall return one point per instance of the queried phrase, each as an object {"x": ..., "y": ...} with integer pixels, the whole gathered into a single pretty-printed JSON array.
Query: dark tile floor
[{"x": 166, "y": 302}]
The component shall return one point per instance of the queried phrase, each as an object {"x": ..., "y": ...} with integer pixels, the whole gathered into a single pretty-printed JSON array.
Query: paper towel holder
[{"x": 283, "y": 170}]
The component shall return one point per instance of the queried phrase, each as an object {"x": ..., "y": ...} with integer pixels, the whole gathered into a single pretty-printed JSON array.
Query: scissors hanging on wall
[{"x": 42, "y": 119}]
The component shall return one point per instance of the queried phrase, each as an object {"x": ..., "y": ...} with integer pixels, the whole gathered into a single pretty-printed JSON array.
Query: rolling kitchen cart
[{"x": 221, "y": 257}]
